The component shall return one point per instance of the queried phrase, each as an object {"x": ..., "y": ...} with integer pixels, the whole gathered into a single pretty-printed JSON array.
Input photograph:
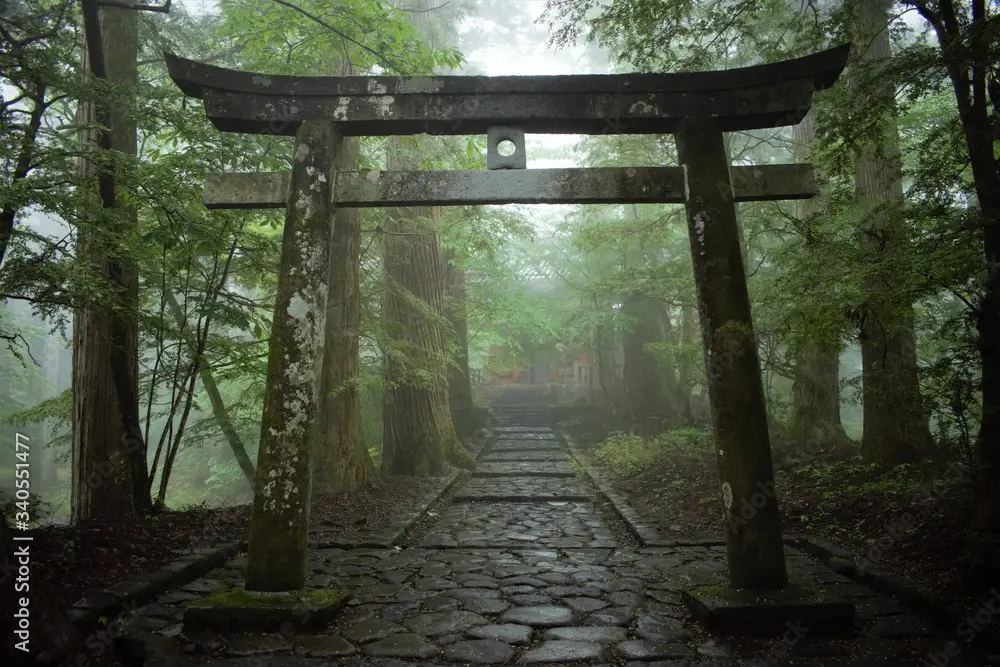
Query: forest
[{"x": 149, "y": 340}]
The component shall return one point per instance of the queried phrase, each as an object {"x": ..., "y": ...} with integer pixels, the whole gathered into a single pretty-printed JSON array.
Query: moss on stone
[
  {"x": 712, "y": 591},
  {"x": 797, "y": 586},
  {"x": 241, "y": 598}
]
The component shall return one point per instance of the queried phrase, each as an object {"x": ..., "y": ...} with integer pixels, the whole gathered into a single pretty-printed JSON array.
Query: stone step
[
  {"x": 524, "y": 456},
  {"x": 551, "y": 524},
  {"x": 524, "y": 468},
  {"x": 526, "y": 446},
  {"x": 521, "y": 489}
]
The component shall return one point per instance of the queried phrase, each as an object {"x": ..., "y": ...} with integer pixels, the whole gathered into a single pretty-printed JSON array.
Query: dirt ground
[
  {"x": 909, "y": 528},
  {"x": 82, "y": 559}
]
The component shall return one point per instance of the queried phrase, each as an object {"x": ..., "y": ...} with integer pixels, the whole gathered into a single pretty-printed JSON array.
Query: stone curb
[
  {"x": 686, "y": 543},
  {"x": 913, "y": 595},
  {"x": 643, "y": 531},
  {"x": 128, "y": 595},
  {"x": 396, "y": 531}
]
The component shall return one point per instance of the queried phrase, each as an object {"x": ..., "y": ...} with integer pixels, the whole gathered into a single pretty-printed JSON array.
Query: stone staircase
[{"x": 522, "y": 415}]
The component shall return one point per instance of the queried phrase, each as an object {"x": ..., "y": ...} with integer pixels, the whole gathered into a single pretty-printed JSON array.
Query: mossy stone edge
[{"x": 239, "y": 610}]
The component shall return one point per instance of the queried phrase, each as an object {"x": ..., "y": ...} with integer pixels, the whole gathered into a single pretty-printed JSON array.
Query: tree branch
[
  {"x": 342, "y": 35},
  {"x": 424, "y": 11}
]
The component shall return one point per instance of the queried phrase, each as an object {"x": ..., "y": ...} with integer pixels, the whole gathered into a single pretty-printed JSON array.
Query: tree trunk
[
  {"x": 754, "y": 545},
  {"x": 341, "y": 461},
  {"x": 644, "y": 383},
  {"x": 459, "y": 382},
  {"x": 815, "y": 414},
  {"x": 959, "y": 49},
  {"x": 675, "y": 397},
  {"x": 606, "y": 378},
  {"x": 418, "y": 433},
  {"x": 215, "y": 398},
  {"x": 106, "y": 477},
  {"x": 685, "y": 366},
  {"x": 744, "y": 244},
  {"x": 895, "y": 426},
  {"x": 279, "y": 523},
  {"x": 419, "y": 437}
]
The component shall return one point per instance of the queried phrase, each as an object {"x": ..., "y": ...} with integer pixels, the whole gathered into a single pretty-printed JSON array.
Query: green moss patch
[
  {"x": 240, "y": 597},
  {"x": 239, "y": 610}
]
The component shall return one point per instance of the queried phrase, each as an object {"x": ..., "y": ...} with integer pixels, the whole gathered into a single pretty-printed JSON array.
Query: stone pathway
[{"x": 520, "y": 568}]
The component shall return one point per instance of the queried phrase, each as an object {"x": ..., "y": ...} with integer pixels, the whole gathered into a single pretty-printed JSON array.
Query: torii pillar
[
  {"x": 754, "y": 545},
  {"x": 280, "y": 521}
]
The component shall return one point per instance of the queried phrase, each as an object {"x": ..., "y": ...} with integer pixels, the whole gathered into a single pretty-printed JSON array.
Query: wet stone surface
[
  {"x": 523, "y": 429},
  {"x": 529, "y": 435},
  {"x": 522, "y": 489},
  {"x": 514, "y": 468},
  {"x": 523, "y": 456},
  {"x": 525, "y": 583},
  {"x": 521, "y": 445},
  {"x": 559, "y": 524}
]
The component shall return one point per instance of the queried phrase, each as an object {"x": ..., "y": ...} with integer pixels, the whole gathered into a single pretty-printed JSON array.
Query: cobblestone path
[{"x": 521, "y": 568}]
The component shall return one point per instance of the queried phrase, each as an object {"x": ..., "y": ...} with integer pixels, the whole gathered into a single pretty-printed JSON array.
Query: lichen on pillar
[{"x": 280, "y": 519}]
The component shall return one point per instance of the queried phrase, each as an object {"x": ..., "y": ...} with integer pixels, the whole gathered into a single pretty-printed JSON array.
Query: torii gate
[{"x": 696, "y": 107}]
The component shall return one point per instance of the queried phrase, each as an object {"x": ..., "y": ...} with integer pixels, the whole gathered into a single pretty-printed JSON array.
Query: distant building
[{"x": 550, "y": 365}]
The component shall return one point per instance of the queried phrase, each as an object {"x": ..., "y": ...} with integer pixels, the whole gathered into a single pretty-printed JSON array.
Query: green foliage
[
  {"x": 631, "y": 455},
  {"x": 857, "y": 478}
]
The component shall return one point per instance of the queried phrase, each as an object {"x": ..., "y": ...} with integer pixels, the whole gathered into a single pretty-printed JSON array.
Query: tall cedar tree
[
  {"x": 459, "y": 381},
  {"x": 105, "y": 479},
  {"x": 815, "y": 414},
  {"x": 340, "y": 456},
  {"x": 895, "y": 425},
  {"x": 418, "y": 434}
]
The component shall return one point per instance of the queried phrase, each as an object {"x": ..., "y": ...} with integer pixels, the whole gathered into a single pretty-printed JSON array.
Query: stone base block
[
  {"x": 238, "y": 610},
  {"x": 793, "y": 611}
]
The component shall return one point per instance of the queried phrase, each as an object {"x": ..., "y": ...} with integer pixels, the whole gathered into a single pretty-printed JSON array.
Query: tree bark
[
  {"x": 215, "y": 398},
  {"x": 895, "y": 425},
  {"x": 685, "y": 366},
  {"x": 459, "y": 381},
  {"x": 605, "y": 368},
  {"x": 744, "y": 244},
  {"x": 279, "y": 523},
  {"x": 754, "y": 545},
  {"x": 644, "y": 379},
  {"x": 109, "y": 457},
  {"x": 341, "y": 459},
  {"x": 419, "y": 437},
  {"x": 815, "y": 414}
]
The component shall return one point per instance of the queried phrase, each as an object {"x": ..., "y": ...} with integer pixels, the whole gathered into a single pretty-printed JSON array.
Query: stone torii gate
[{"x": 696, "y": 107}]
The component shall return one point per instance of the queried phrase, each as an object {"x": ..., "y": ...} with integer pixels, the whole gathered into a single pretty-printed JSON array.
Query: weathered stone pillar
[
  {"x": 739, "y": 419},
  {"x": 280, "y": 519}
]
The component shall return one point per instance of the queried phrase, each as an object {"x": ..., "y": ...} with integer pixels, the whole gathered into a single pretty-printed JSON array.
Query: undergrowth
[{"x": 629, "y": 455}]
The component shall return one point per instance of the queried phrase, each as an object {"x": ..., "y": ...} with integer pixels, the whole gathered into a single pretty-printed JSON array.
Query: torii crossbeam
[{"x": 697, "y": 107}]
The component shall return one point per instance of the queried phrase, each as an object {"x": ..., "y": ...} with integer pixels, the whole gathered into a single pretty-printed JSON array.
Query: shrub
[{"x": 630, "y": 455}]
